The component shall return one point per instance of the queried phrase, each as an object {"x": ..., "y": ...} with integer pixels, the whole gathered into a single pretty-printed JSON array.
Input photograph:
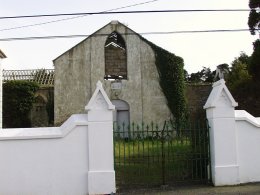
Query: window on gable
[{"x": 115, "y": 57}]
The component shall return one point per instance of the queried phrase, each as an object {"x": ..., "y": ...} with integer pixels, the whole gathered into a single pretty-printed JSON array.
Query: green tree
[
  {"x": 186, "y": 75},
  {"x": 18, "y": 97},
  {"x": 195, "y": 77},
  {"x": 203, "y": 76},
  {"x": 239, "y": 75},
  {"x": 254, "y": 67},
  {"x": 243, "y": 58},
  {"x": 208, "y": 75},
  {"x": 240, "y": 81},
  {"x": 254, "y": 16}
]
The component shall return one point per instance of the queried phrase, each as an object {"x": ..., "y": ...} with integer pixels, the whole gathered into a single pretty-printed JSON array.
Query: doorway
[{"x": 121, "y": 116}]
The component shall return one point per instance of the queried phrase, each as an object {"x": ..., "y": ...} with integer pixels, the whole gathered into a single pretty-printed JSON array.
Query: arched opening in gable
[{"x": 115, "y": 57}]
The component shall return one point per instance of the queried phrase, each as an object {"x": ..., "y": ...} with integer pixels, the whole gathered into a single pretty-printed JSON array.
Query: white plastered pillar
[
  {"x": 101, "y": 174},
  {"x": 220, "y": 109}
]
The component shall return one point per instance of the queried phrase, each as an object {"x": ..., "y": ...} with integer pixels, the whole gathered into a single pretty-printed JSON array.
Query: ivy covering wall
[
  {"x": 171, "y": 79},
  {"x": 18, "y": 97}
]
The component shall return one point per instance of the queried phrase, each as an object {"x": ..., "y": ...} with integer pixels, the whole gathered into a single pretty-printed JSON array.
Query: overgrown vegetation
[
  {"x": 203, "y": 76},
  {"x": 171, "y": 79},
  {"x": 18, "y": 97},
  {"x": 254, "y": 16}
]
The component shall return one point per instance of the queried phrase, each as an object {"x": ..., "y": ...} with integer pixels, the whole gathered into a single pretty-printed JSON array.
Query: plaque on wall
[{"x": 116, "y": 85}]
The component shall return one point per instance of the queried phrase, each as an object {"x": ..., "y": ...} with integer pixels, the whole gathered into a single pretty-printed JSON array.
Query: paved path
[{"x": 253, "y": 188}]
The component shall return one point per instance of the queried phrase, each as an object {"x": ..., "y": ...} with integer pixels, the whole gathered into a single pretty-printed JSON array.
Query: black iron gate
[{"x": 152, "y": 156}]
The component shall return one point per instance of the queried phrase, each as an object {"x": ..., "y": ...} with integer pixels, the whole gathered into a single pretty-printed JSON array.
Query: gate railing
[{"x": 150, "y": 155}]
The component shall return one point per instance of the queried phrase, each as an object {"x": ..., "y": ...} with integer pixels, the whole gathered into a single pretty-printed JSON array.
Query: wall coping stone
[
  {"x": 242, "y": 115},
  {"x": 45, "y": 133}
]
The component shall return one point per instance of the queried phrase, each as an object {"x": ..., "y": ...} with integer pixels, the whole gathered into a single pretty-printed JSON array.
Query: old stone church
[{"x": 124, "y": 62}]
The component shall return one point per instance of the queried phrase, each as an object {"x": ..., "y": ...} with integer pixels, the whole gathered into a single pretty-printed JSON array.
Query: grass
[
  {"x": 153, "y": 162},
  {"x": 153, "y": 157}
]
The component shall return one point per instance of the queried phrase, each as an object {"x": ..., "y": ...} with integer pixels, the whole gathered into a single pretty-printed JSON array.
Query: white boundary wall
[
  {"x": 2, "y": 56},
  {"x": 234, "y": 139},
  {"x": 76, "y": 158}
]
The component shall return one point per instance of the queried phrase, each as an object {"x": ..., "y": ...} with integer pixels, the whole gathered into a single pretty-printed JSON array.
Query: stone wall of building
[
  {"x": 78, "y": 69},
  {"x": 40, "y": 114},
  {"x": 196, "y": 96}
]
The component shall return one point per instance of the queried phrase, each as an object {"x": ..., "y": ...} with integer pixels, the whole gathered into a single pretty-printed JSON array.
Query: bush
[{"x": 18, "y": 97}]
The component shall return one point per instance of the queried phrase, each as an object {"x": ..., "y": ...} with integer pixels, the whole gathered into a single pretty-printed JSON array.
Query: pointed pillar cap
[
  {"x": 219, "y": 90},
  {"x": 99, "y": 100}
]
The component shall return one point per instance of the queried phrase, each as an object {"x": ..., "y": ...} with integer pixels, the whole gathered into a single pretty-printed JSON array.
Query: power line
[
  {"x": 144, "y": 33},
  {"x": 70, "y": 18},
  {"x": 124, "y": 12}
]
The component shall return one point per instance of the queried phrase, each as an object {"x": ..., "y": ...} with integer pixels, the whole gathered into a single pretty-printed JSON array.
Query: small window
[{"x": 115, "y": 57}]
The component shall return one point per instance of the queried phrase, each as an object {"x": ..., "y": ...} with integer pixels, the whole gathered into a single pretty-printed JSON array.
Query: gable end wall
[{"x": 78, "y": 70}]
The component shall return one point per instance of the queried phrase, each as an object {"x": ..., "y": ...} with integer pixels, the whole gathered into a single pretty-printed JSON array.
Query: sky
[{"x": 197, "y": 49}]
